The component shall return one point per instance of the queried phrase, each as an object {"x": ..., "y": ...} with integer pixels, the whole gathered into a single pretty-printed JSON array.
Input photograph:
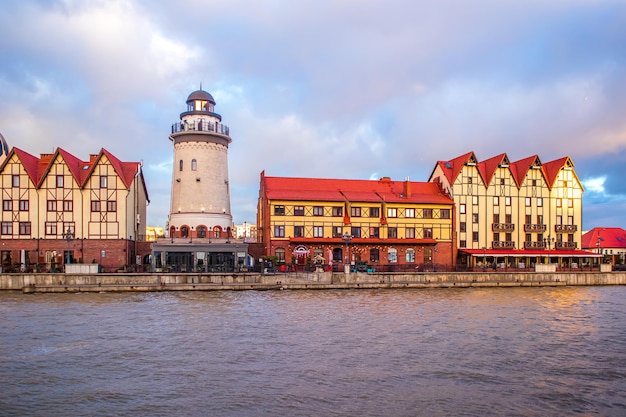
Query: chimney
[{"x": 407, "y": 188}]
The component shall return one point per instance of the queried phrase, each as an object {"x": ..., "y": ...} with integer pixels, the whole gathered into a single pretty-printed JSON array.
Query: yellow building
[
  {"x": 383, "y": 223},
  {"x": 514, "y": 214},
  {"x": 58, "y": 209}
]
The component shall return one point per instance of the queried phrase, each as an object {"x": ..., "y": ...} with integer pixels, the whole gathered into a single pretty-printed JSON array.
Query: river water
[{"x": 424, "y": 352}]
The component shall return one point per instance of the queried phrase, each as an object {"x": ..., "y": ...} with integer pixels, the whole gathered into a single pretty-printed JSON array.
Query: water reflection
[{"x": 521, "y": 351}]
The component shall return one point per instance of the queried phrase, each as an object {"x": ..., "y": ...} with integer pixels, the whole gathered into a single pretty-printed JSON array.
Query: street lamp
[
  {"x": 347, "y": 239},
  {"x": 68, "y": 236},
  {"x": 484, "y": 259}
]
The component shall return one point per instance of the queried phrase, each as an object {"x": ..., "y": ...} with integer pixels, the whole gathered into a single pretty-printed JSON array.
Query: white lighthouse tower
[{"x": 200, "y": 201}]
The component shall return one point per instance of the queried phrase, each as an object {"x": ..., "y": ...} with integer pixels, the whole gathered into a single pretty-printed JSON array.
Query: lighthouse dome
[{"x": 200, "y": 95}]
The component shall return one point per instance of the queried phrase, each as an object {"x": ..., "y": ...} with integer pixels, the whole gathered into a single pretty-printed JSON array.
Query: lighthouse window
[
  {"x": 194, "y": 165},
  {"x": 180, "y": 165}
]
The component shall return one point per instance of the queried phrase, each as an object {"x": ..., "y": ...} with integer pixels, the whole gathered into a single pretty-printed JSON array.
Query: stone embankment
[{"x": 63, "y": 283}]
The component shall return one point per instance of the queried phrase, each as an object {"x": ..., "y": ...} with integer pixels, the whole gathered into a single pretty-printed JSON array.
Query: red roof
[
  {"x": 607, "y": 237},
  {"x": 37, "y": 168},
  {"x": 486, "y": 169},
  {"x": 323, "y": 189}
]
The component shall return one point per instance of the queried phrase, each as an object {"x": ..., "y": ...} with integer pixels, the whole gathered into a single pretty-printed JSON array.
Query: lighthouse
[
  {"x": 200, "y": 200},
  {"x": 200, "y": 223}
]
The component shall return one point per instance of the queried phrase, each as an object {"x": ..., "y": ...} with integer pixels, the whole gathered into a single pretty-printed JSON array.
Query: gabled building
[
  {"x": 514, "y": 214},
  {"x": 59, "y": 209},
  {"x": 383, "y": 223}
]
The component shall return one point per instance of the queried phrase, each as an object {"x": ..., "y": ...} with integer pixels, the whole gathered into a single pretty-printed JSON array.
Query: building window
[
  {"x": 318, "y": 211},
  {"x": 570, "y": 220},
  {"x": 298, "y": 231},
  {"x": 180, "y": 165},
  {"x": 570, "y": 203},
  {"x": 51, "y": 205},
  {"x": 51, "y": 228},
  {"x": 409, "y": 233},
  {"x": 318, "y": 231},
  {"x": 475, "y": 236},
  {"x": 392, "y": 233},
  {"x": 337, "y": 231},
  {"x": 527, "y": 199},
  {"x": 280, "y": 254},
  {"x": 502, "y": 181},
  {"x": 428, "y": 233},
  {"x": 409, "y": 213},
  {"x": 23, "y": 205},
  {"x": 6, "y": 228},
  {"x": 475, "y": 218},
  {"x": 528, "y": 237},
  {"x": 59, "y": 181},
  {"x": 469, "y": 180},
  {"x": 392, "y": 255},
  {"x": 529, "y": 219},
  {"x": 496, "y": 201},
  {"x": 374, "y": 255},
  {"x": 337, "y": 211},
  {"x": 7, "y": 205},
  {"x": 68, "y": 205},
  {"x": 462, "y": 208},
  {"x": 462, "y": 243},
  {"x": 410, "y": 255},
  {"x": 507, "y": 201},
  {"x": 355, "y": 231},
  {"x": 474, "y": 200},
  {"x": 496, "y": 237},
  {"x": 15, "y": 180},
  {"x": 24, "y": 228},
  {"x": 355, "y": 211},
  {"x": 539, "y": 202},
  {"x": 104, "y": 180},
  {"x": 194, "y": 165},
  {"x": 445, "y": 213},
  {"x": 534, "y": 183},
  {"x": 201, "y": 231},
  {"x": 279, "y": 231},
  {"x": 374, "y": 232},
  {"x": 462, "y": 227},
  {"x": 508, "y": 237},
  {"x": 374, "y": 212},
  {"x": 95, "y": 206},
  {"x": 111, "y": 206},
  {"x": 508, "y": 218},
  {"x": 392, "y": 212},
  {"x": 558, "y": 202},
  {"x": 68, "y": 227},
  {"x": 428, "y": 213},
  {"x": 279, "y": 210},
  {"x": 496, "y": 218},
  {"x": 539, "y": 218},
  {"x": 298, "y": 211}
]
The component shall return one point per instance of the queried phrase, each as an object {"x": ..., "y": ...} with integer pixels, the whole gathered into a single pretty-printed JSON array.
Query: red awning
[{"x": 531, "y": 252}]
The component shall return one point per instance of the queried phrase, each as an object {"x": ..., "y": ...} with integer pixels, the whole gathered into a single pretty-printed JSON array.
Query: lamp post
[
  {"x": 347, "y": 239},
  {"x": 68, "y": 236},
  {"x": 435, "y": 249},
  {"x": 484, "y": 259}
]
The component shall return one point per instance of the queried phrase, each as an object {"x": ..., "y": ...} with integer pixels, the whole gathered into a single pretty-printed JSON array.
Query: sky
[{"x": 356, "y": 89}]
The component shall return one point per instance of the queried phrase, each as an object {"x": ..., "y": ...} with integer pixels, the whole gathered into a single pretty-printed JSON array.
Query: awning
[{"x": 520, "y": 253}]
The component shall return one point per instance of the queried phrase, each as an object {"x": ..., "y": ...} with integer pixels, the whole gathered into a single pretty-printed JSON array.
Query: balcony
[
  {"x": 503, "y": 245},
  {"x": 534, "y": 245},
  {"x": 535, "y": 228},
  {"x": 565, "y": 245},
  {"x": 565, "y": 228},
  {"x": 503, "y": 227},
  {"x": 201, "y": 127}
]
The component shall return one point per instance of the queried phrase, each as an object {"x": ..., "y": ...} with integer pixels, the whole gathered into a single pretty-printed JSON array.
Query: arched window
[
  {"x": 217, "y": 232},
  {"x": 201, "y": 231},
  {"x": 374, "y": 255},
  {"x": 337, "y": 255},
  {"x": 410, "y": 255},
  {"x": 392, "y": 255},
  {"x": 184, "y": 231},
  {"x": 180, "y": 165},
  {"x": 194, "y": 165}
]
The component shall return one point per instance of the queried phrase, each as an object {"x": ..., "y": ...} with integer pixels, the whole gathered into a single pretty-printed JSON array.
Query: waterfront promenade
[{"x": 64, "y": 283}]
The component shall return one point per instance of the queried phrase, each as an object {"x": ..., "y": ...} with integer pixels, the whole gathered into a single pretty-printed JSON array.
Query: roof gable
[{"x": 519, "y": 169}]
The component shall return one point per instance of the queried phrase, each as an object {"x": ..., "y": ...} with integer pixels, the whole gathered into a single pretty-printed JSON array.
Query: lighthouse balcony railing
[{"x": 201, "y": 127}]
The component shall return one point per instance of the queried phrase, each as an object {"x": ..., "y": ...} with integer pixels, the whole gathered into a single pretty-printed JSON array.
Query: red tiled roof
[
  {"x": 453, "y": 167},
  {"x": 551, "y": 169},
  {"x": 520, "y": 168},
  {"x": 609, "y": 237},
  {"x": 323, "y": 189},
  {"x": 37, "y": 168},
  {"x": 487, "y": 168}
]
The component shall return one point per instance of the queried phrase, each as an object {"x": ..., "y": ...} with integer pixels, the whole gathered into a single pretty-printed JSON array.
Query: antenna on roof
[{"x": 200, "y": 85}]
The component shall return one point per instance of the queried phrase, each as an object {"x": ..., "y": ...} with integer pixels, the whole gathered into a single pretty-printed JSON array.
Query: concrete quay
[{"x": 74, "y": 283}]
